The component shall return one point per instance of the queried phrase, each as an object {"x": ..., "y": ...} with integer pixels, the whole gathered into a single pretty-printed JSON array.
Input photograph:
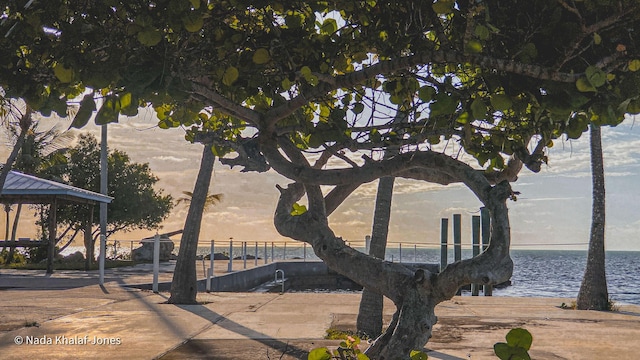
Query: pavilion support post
[
  {"x": 89, "y": 245},
  {"x": 52, "y": 235}
]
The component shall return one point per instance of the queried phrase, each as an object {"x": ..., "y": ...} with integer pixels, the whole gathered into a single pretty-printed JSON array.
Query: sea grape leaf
[
  {"x": 230, "y": 76},
  {"x": 87, "y": 107},
  {"x": 298, "y": 209},
  {"x": 596, "y": 76},
  {"x": 64, "y": 74},
  {"x": 520, "y": 337},
  {"x": 261, "y": 56},
  {"x": 319, "y": 354},
  {"x": 501, "y": 102}
]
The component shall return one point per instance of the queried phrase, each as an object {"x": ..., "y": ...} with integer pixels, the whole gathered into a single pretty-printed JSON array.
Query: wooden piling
[
  {"x": 475, "y": 242},
  {"x": 444, "y": 238}
]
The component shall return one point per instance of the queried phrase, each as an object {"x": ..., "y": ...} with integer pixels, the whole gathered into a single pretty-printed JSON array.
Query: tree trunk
[
  {"x": 25, "y": 124},
  {"x": 88, "y": 245},
  {"x": 593, "y": 293},
  {"x": 184, "y": 286},
  {"x": 415, "y": 292},
  {"x": 14, "y": 232},
  {"x": 7, "y": 209},
  {"x": 369, "y": 320}
]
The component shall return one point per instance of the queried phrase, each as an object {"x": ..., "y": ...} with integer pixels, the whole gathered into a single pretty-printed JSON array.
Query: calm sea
[{"x": 537, "y": 273}]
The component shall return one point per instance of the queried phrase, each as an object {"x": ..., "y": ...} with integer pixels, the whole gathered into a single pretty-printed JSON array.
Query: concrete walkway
[{"x": 114, "y": 321}]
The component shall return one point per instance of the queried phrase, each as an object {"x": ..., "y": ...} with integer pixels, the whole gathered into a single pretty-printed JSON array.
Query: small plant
[
  {"x": 571, "y": 306},
  {"x": 31, "y": 324},
  {"x": 348, "y": 349},
  {"x": 517, "y": 346},
  {"x": 611, "y": 306},
  {"x": 335, "y": 334}
]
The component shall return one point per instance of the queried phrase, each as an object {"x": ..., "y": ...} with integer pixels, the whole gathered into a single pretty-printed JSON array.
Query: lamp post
[{"x": 103, "y": 205}]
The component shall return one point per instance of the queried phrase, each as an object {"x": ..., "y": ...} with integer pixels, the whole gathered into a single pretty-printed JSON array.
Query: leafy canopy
[{"x": 491, "y": 75}]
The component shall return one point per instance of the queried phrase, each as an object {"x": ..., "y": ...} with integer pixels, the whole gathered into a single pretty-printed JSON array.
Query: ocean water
[{"x": 536, "y": 273}]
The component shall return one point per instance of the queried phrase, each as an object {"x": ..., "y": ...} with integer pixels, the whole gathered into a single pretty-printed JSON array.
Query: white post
[
  {"x": 230, "y": 267},
  {"x": 103, "y": 205},
  {"x": 244, "y": 253},
  {"x": 305, "y": 252},
  {"x": 367, "y": 244},
  {"x": 266, "y": 256},
  {"x": 103, "y": 255},
  {"x": 256, "y": 257},
  {"x": 156, "y": 262},
  {"x": 210, "y": 273}
]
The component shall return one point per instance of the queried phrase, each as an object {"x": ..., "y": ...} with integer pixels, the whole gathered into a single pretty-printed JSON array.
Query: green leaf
[
  {"x": 362, "y": 356},
  {"x": 109, "y": 111},
  {"x": 501, "y": 102},
  {"x": 519, "y": 337},
  {"x": 473, "y": 46},
  {"x": 298, "y": 209},
  {"x": 583, "y": 85},
  {"x": 596, "y": 76},
  {"x": 149, "y": 37},
  {"x": 64, "y": 74},
  {"x": 502, "y": 351},
  {"x": 478, "y": 109},
  {"x": 192, "y": 22},
  {"x": 87, "y": 107},
  {"x": 482, "y": 32},
  {"x": 329, "y": 26},
  {"x": 418, "y": 355},
  {"x": 357, "y": 108},
  {"x": 444, "y": 105},
  {"x": 443, "y": 6},
  {"x": 230, "y": 76},
  {"x": 426, "y": 93},
  {"x": 261, "y": 56},
  {"x": 597, "y": 39},
  {"x": 195, "y": 4},
  {"x": 634, "y": 65},
  {"x": 125, "y": 100}
]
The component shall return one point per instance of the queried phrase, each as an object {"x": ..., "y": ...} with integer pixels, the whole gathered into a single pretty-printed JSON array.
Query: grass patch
[
  {"x": 31, "y": 324},
  {"x": 611, "y": 306},
  {"x": 70, "y": 265},
  {"x": 335, "y": 334},
  {"x": 571, "y": 306}
]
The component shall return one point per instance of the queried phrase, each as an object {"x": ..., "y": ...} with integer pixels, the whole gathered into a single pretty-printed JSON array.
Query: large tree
[
  {"x": 136, "y": 204},
  {"x": 313, "y": 84},
  {"x": 184, "y": 285},
  {"x": 593, "y": 294}
]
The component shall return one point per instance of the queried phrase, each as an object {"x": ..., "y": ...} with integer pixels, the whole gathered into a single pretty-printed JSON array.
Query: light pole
[{"x": 103, "y": 205}]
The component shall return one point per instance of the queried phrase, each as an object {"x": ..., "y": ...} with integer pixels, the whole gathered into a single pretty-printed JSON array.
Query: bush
[
  {"x": 38, "y": 254},
  {"x": 18, "y": 258}
]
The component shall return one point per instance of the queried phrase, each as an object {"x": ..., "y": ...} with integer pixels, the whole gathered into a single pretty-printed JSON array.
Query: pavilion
[{"x": 21, "y": 188}]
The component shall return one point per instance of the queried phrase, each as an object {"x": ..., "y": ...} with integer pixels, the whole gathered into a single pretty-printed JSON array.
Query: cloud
[{"x": 170, "y": 158}]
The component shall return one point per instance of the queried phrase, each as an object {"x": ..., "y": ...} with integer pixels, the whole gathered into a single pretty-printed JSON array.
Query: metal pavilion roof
[{"x": 28, "y": 188}]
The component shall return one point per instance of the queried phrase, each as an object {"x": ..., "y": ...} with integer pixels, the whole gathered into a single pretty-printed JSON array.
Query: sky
[{"x": 552, "y": 212}]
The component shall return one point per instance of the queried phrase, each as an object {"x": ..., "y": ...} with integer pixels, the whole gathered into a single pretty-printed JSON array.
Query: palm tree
[
  {"x": 34, "y": 148},
  {"x": 14, "y": 119},
  {"x": 210, "y": 200},
  {"x": 184, "y": 285},
  {"x": 369, "y": 319},
  {"x": 593, "y": 294}
]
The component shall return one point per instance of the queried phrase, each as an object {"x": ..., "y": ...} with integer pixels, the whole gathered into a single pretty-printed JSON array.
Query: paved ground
[{"x": 89, "y": 321}]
